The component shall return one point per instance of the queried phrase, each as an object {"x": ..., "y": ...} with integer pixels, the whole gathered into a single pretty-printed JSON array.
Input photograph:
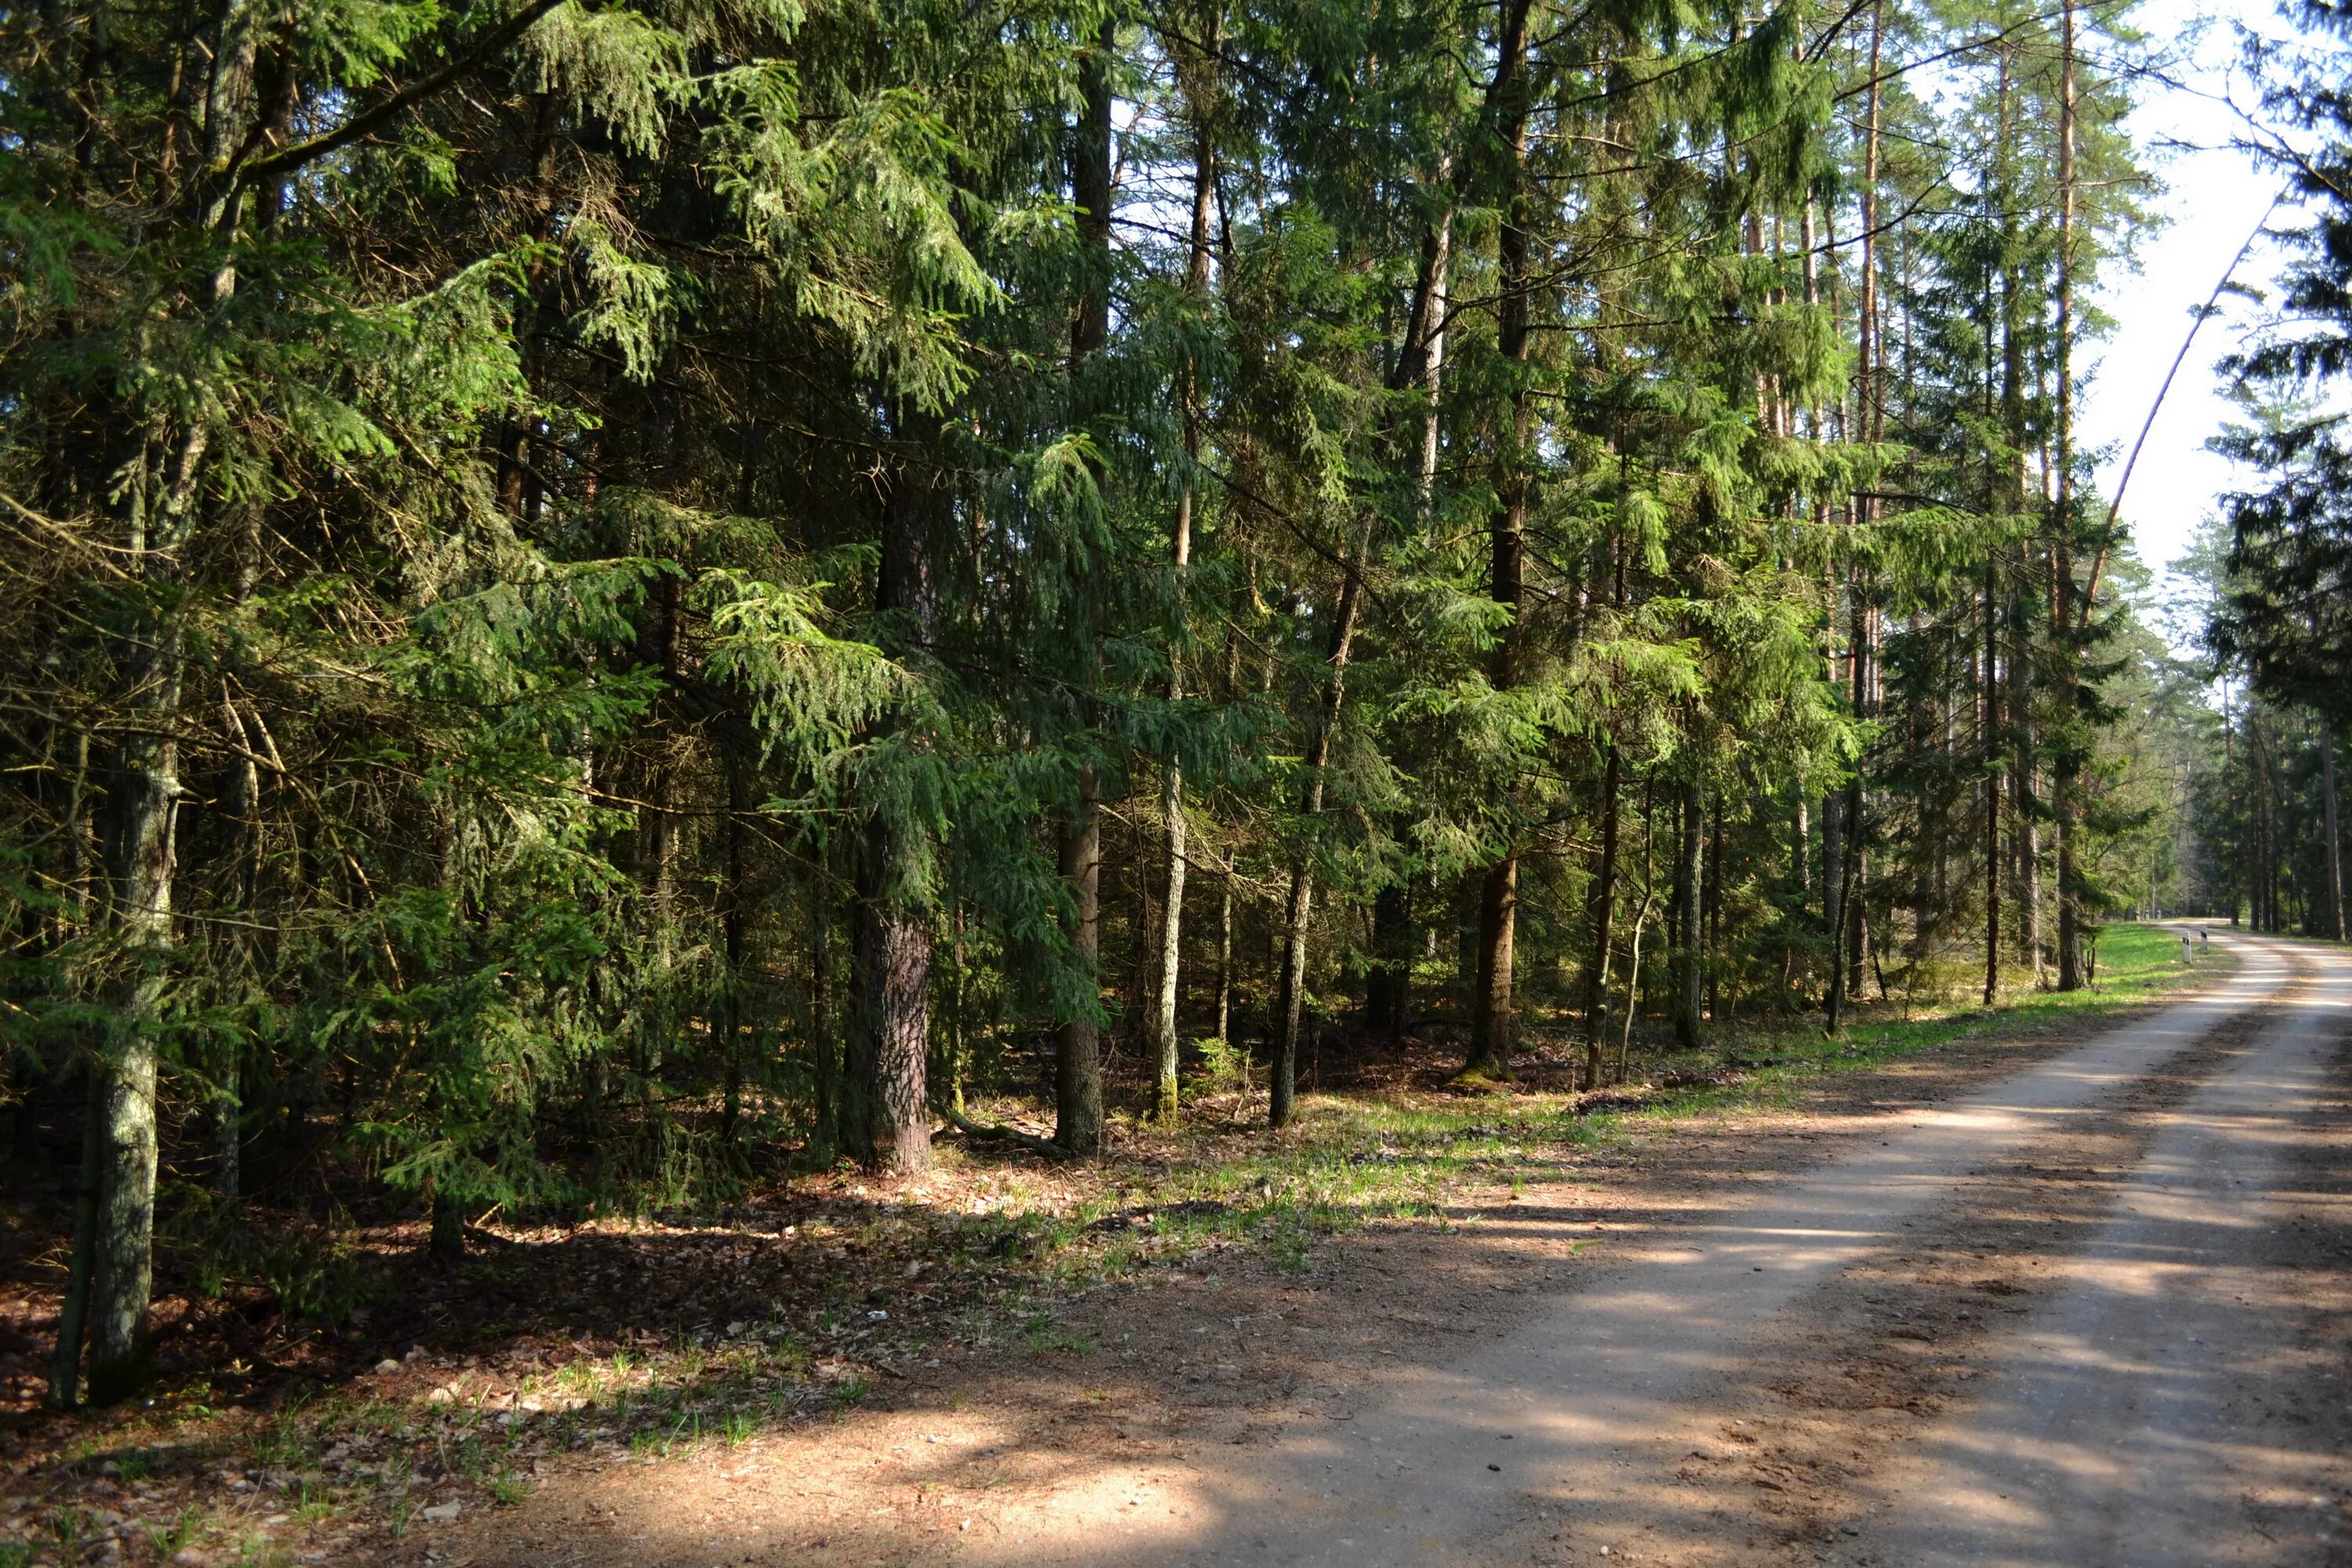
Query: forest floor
[{"x": 1219, "y": 1345}]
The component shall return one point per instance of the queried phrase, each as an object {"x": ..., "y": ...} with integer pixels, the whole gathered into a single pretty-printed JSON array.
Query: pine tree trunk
[
  {"x": 142, "y": 807},
  {"x": 825, "y": 1137},
  {"x": 1077, "y": 1052},
  {"x": 2335, "y": 833},
  {"x": 1283, "y": 1079},
  {"x": 731, "y": 933},
  {"x": 1689, "y": 863},
  {"x": 1490, "y": 1017},
  {"x": 1857, "y": 864},
  {"x": 73, "y": 1313},
  {"x": 1491, "y": 1007},
  {"x": 1388, "y": 983},
  {"x": 447, "y": 1236},
  {"x": 1078, "y": 1043},
  {"x": 1604, "y": 919},
  {"x": 1991, "y": 743},
  {"x": 1172, "y": 784},
  {"x": 2028, "y": 830},
  {"x": 1713, "y": 906},
  {"x": 1833, "y": 903},
  {"x": 1226, "y": 959},
  {"x": 2067, "y": 774},
  {"x": 885, "y": 1118}
]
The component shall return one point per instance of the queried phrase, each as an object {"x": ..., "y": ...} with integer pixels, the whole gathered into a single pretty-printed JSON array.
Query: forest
[{"x": 614, "y": 604}]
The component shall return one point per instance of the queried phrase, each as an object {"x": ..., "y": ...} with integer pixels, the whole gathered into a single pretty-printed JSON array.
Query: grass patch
[{"x": 1353, "y": 1160}]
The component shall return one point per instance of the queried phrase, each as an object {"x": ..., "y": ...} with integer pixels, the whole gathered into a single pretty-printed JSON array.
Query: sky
[{"x": 2216, "y": 197}]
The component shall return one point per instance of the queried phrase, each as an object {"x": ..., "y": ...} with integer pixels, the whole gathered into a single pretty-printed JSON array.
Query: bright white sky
[{"x": 2216, "y": 197}]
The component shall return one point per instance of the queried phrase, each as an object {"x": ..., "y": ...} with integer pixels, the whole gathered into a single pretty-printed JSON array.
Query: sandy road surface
[
  {"x": 2140, "y": 1415},
  {"x": 2094, "y": 1312},
  {"x": 2158, "y": 1410}
]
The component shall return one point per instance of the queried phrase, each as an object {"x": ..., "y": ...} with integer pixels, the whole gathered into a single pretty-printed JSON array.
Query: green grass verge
[{"x": 1353, "y": 1160}]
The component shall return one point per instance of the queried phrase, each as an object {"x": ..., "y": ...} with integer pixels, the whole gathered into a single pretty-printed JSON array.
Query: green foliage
[{"x": 605, "y": 546}]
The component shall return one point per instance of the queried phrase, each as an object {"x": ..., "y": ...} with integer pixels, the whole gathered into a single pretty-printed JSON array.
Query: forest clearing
[{"x": 1171, "y": 780}]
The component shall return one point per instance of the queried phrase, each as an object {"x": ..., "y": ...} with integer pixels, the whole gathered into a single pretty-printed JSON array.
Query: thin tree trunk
[
  {"x": 2335, "y": 834},
  {"x": 1078, "y": 1043},
  {"x": 1857, "y": 864},
  {"x": 1834, "y": 902},
  {"x": 1498, "y": 902},
  {"x": 2068, "y": 771},
  {"x": 1991, "y": 722},
  {"x": 1434, "y": 366},
  {"x": 1171, "y": 781},
  {"x": 1714, "y": 912},
  {"x": 1225, "y": 958},
  {"x": 1388, "y": 983},
  {"x": 1800, "y": 852},
  {"x": 73, "y": 1314},
  {"x": 732, "y": 930},
  {"x": 1605, "y": 915},
  {"x": 1689, "y": 867},
  {"x": 1282, "y": 1103}
]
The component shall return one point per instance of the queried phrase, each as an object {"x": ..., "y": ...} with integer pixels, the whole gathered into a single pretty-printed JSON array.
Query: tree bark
[
  {"x": 1225, "y": 958},
  {"x": 885, "y": 1103},
  {"x": 1605, "y": 918},
  {"x": 885, "y": 1120},
  {"x": 1171, "y": 781},
  {"x": 1077, "y": 1053},
  {"x": 1712, "y": 958},
  {"x": 1992, "y": 743},
  {"x": 140, "y": 853},
  {"x": 73, "y": 1312},
  {"x": 1388, "y": 984},
  {"x": 1491, "y": 1018},
  {"x": 2068, "y": 769},
  {"x": 825, "y": 1138},
  {"x": 1282, "y": 1078},
  {"x": 1689, "y": 870},
  {"x": 1834, "y": 902},
  {"x": 1078, "y": 1043},
  {"x": 2335, "y": 833}
]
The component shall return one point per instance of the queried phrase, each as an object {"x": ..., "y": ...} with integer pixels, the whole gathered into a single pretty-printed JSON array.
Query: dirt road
[
  {"x": 2092, "y": 1312},
  {"x": 2160, "y": 1404}
]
